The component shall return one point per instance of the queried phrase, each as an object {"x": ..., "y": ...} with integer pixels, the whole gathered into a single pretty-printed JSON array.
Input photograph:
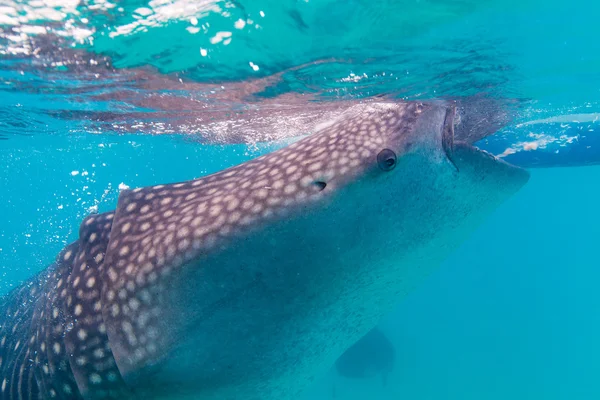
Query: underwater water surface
[{"x": 97, "y": 96}]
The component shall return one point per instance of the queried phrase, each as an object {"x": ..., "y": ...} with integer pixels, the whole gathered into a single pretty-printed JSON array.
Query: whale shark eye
[{"x": 386, "y": 159}]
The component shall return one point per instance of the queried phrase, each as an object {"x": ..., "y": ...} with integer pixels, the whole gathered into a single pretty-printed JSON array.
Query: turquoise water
[{"x": 511, "y": 314}]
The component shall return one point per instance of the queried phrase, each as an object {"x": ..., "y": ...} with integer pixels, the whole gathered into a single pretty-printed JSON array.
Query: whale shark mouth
[{"x": 459, "y": 133}]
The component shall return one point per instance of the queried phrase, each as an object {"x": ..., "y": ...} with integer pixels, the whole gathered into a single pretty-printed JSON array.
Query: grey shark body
[{"x": 249, "y": 283}]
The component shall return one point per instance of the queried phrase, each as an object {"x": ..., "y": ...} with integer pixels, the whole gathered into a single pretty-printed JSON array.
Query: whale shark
[{"x": 249, "y": 283}]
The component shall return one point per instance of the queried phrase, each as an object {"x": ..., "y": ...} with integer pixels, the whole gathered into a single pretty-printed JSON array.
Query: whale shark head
[{"x": 249, "y": 282}]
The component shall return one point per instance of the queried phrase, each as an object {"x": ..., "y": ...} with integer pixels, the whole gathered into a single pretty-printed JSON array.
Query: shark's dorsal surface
[{"x": 249, "y": 283}]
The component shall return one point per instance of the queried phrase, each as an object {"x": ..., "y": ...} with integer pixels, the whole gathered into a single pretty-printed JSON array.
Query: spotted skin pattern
[
  {"x": 241, "y": 285},
  {"x": 17, "y": 378},
  {"x": 55, "y": 373},
  {"x": 162, "y": 228},
  {"x": 68, "y": 355},
  {"x": 86, "y": 341},
  {"x": 34, "y": 363}
]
